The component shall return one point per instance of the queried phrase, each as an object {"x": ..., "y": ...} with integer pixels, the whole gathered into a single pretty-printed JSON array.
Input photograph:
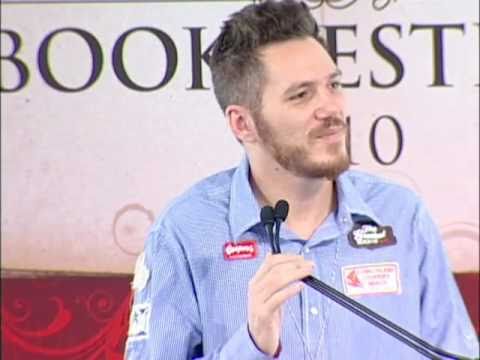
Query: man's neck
[{"x": 310, "y": 200}]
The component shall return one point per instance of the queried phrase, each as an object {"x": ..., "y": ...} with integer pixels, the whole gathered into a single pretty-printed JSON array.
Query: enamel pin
[
  {"x": 371, "y": 236},
  {"x": 240, "y": 250}
]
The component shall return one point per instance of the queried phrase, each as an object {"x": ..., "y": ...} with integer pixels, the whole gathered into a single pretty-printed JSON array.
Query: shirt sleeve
[
  {"x": 165, "y": 321},
  {"x": 445, "y": 322}
]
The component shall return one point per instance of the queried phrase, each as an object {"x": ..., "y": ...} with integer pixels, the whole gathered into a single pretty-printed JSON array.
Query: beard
[{"x": 295, "y": 157}]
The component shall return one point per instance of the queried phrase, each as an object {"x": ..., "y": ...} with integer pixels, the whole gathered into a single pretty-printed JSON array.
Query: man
[{"x": 207, "y": 285}]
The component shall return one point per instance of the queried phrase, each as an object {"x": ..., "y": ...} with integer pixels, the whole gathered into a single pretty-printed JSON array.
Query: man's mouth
[{"x": 333, "y": 128}]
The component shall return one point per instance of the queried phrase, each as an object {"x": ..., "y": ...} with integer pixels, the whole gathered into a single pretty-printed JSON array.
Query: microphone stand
[{"x": 270, "y": 216}]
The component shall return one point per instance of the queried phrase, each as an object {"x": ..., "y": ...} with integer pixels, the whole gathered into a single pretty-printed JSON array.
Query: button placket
[{"x": 312, "y": 309}]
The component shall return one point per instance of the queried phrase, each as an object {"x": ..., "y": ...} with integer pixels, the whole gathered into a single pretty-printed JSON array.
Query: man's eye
[
  {"x": 299, "y": 95},
  {"x": 336, "y": 85}
]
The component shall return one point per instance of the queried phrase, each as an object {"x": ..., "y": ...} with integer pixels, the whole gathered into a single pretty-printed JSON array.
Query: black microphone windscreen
[
  {"x": 267, "y": 215},
  {"x": 281, "y": 210}
]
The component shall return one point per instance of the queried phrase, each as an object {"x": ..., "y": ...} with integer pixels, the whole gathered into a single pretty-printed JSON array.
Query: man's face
[{"x": 301, "y": 123}]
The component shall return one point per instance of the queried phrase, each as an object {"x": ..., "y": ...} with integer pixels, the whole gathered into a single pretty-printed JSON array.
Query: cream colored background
[{"x": 84, "y": 174}]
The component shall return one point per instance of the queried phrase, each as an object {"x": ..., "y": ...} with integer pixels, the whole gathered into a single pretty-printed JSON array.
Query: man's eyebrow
[
  {"x": 337, "y": 73},
  {"x": 304, "y": 84},
  {"x": 298, "y": 85}
]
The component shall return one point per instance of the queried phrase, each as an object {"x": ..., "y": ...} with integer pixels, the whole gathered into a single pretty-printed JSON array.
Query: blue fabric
[{"x": 199, "y": 300}]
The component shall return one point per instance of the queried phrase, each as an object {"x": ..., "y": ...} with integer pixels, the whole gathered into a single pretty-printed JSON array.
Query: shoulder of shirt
[
  {"x": 370, "y": 186},
  {"x": 209, "y": 195}
]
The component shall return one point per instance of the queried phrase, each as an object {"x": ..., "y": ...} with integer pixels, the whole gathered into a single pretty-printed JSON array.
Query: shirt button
[
  {"x": 307, "y": 250},
  {"x": 314, "y": 311}
]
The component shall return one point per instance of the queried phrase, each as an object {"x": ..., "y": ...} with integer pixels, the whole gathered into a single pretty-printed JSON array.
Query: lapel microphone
[{"x": 271, "y": 217}]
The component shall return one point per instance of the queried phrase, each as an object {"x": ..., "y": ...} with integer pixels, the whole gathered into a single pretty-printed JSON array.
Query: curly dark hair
[{"x": 238, "y": 74}]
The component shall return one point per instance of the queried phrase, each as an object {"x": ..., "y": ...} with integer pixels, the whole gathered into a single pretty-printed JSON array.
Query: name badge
[
  {"x": 371, "y": 279},
  {"x": 241, "y": 250},
  {"x": 139, "y": 322},
  {"x": 371, "y": 236}
]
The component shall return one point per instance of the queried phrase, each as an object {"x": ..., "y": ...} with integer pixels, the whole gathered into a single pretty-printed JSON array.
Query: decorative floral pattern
[
  {"x": 75, "y": 318},
  {"x": 130, "y": 228},
  {"x": 86, "y": 318}
]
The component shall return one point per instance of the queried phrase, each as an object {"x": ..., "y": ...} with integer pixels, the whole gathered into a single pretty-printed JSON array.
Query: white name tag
[
  {"x": 371, "y": 279},
  {"x": 139, "y": 322},
  {"x": 142, "y": 274}
]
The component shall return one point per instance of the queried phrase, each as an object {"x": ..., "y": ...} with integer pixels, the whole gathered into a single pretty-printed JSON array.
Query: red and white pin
[{"x": 241, "y": 250}]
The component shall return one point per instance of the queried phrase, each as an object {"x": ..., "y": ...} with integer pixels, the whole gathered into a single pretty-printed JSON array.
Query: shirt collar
[
  {"x": 351, "y": 205},
  {"x": 245, "y": 212}
]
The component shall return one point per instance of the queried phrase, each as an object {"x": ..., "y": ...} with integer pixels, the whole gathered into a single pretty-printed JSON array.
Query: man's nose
[
  {"x": 327, "y": 104},
  {"x": 327, "y": 109}
]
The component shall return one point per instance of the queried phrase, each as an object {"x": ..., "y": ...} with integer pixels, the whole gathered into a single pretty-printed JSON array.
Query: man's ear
[{"x": 241, "y": 123}]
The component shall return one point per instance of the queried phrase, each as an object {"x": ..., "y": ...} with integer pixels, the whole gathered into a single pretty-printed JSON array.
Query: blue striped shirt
[{"x": 191, "y": 302}]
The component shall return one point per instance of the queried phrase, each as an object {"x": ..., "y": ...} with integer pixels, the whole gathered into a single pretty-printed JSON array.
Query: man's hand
[{"x": 274, "y": 283}]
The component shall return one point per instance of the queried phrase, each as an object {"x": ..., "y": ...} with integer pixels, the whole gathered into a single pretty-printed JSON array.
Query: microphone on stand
[{"x": 270, "y": 217}]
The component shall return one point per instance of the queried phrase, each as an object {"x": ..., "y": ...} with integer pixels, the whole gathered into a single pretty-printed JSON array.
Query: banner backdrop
[{"x": 108, "y": 114}]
